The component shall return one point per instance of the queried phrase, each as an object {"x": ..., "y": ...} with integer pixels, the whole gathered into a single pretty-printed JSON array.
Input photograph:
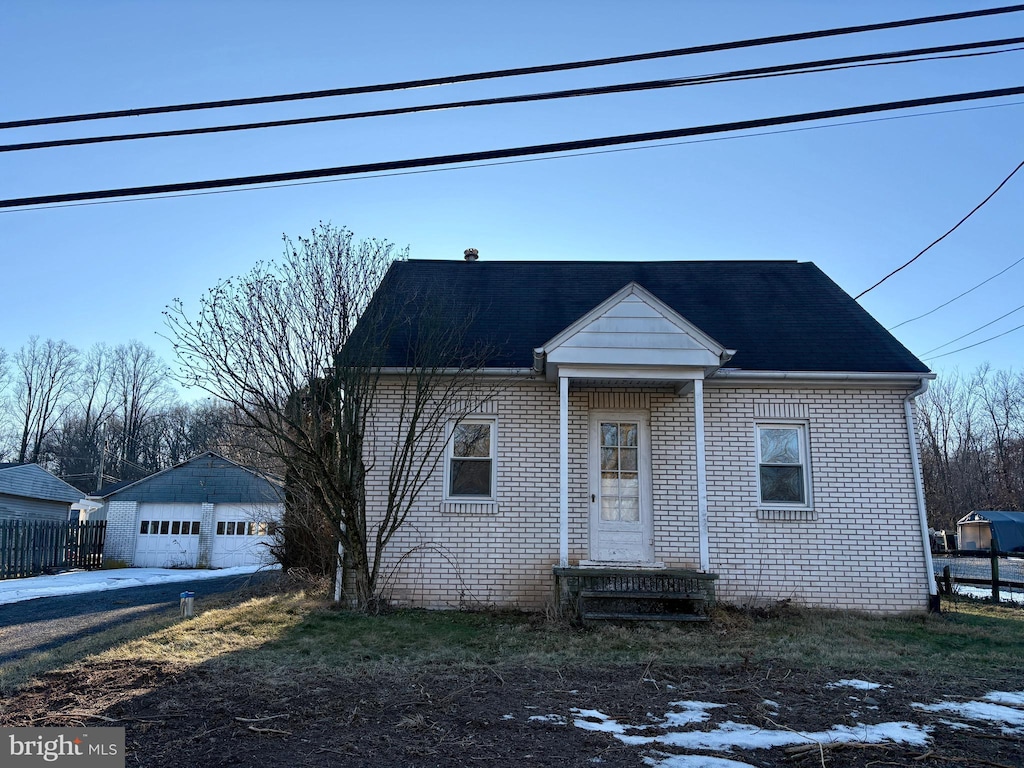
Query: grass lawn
[
  {"x": 291, "y": 630},
  {"x": 283, "y": 678}
]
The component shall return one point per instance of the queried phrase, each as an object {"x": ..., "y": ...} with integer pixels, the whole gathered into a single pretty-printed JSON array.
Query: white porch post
[
  {"x": 702, "y": 479},
  {"x": 563, "y": 471}
]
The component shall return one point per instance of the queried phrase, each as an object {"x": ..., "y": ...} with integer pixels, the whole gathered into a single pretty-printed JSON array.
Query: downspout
[{"x": 915, "y": 461}]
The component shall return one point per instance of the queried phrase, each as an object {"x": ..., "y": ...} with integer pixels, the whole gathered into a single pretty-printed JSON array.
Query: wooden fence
[
  {"x": 32, "y": 547},
  {"x": 980, "y": 568}
]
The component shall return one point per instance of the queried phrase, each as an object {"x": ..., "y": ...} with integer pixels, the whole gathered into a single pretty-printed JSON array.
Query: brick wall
[
  {"x": 859, "y": 548},
  {"x": 119, "y": 544}
]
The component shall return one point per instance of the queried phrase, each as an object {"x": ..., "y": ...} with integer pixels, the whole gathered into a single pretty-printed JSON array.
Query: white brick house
[{"x": 743, "y": 419}]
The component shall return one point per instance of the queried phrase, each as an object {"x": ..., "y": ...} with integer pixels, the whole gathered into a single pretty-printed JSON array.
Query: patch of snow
[
  {"x": 508, "y": 717},
  {"x": 860, "y": 685},
  {"x": 955, "y": 726},
  {"x": 82, "y": 582},
  {"x": 770, "y": 704},
  {"x": 985, "y": 593},
  {"x": 1009, "y": 699},
  {"x": 692, "y": 712},
  {"x": 664, "y": 760},
  {"x": 553, "y": 719},
  {"x": 731, "y": 735},
  {"x": 983, "y": 711},
  {"x": 593, "y": 720}
]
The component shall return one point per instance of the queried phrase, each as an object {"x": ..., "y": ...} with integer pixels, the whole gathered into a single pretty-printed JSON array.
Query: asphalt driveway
[{"x": 45, "y": 623}]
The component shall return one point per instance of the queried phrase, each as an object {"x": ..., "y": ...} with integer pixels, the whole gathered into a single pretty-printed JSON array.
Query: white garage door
[
  {"x": 168, "y": 536},
  {"x": 243, "y": 534}
]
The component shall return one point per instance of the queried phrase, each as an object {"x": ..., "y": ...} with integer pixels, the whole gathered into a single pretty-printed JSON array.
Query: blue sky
[{"x": 858, "y": 200}]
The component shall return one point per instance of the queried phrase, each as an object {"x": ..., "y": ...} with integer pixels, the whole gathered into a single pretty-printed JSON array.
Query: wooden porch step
[
  {"x": 612, "y": 594},
  {"x": 610, "y": 616}
]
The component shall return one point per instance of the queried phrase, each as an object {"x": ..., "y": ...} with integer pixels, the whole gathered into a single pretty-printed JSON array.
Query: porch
[{"x": 621, "y": 593}]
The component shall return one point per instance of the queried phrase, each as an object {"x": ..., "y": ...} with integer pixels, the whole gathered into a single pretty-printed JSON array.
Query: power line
[
  {"x": 517, "y": 71},
  {"x": 969, "y": 333},
  {"x": 945, "y": 235},
  {"x": 958, "y": 296},
  {"x": 517, "y": 161},
  {"x": 494, "y": 154},
  {"x": 807, "y": 67},
  {"x": 977, "y": 344}
]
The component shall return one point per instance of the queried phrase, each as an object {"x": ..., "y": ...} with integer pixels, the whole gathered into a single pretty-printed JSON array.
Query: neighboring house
[
  {"x": 205, "y": 512},
  {"x": 29, "y": 492},
  {"x": 977, "y": 529},
  {"x": 745, "y": 419}
]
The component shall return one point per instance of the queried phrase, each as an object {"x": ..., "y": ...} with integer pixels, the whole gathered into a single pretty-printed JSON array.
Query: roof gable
[
  {"x": 634, "y": 327},
  {"x": 207, "y": 478},
  {"x": 33, "y": 482}
]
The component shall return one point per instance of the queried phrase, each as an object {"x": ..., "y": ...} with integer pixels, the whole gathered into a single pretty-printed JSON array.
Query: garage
[
  {"x": 207, "y": 512},
  {"x": 243, "y": 534},
  {"x": 168, "y": 536}
]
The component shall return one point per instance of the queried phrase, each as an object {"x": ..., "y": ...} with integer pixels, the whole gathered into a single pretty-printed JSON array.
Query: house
[
  {"x": 205, "y": 512},
  {"x": 976, "y": 530},
  {"x": 29, "y": 492},
  {"x": 741, "y": 419}
]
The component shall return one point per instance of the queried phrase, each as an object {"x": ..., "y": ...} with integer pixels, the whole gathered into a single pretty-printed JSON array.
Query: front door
[{"x": 620, "y": 506}]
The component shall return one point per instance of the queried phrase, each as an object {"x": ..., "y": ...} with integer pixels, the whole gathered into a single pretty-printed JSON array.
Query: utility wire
[
  {"x": 977, "y": 344},
  {"x": 958, "y": 296},
  {"x": 494, "y": 154},
  {"x": 807, "y": 67},
  {"x": 970, "y": 333},
  {"x": 945, "y": 235},
  {"x": 518, "y": 71},
  {"x": 517, "y": 161}
]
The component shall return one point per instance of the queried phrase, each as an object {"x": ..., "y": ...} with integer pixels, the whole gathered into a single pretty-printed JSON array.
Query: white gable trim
[{"x": 633, "y": 329}]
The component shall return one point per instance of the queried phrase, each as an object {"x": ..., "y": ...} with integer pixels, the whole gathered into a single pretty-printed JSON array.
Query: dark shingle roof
[
  {"x": 777, "y": 315},
  {"x": 33, "y": 482}
]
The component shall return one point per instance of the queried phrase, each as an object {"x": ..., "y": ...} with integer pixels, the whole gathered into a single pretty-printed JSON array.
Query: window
[
  {"x": 195, "y": 527},
  {"x": 470, "y": 461},
  {"x": 144, "y": 526},
  {"x": 783, "y": 476}
]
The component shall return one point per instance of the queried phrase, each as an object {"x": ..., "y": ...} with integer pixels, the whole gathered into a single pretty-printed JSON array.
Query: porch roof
[{"x": 630, "y": 334}]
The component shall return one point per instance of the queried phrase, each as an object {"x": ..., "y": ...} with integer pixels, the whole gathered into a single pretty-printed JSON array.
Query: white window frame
[
  {"x": 448, "y": 457},
  {"x": 803, "y": 444}
]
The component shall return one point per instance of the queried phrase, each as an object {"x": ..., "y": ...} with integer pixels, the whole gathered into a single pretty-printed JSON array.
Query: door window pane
[{"x": 620, "y": 482}]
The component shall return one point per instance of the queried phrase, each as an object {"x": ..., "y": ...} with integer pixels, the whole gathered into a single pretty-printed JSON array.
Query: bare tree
[
  {"x": 138, "y": 383},
  {"x": 281, "y": 346},
  {"x": 79, "y": 438},
  {"x": 45, "y": 375},
  {"x": 973, "y": 444}
]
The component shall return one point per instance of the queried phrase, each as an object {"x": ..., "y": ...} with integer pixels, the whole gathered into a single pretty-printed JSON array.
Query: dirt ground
[{"x": 219, "y": 715}]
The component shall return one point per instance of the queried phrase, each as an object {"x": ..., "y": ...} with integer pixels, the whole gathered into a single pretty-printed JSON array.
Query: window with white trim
[
  {"x": 470, "y": 460},
  {"x": 783, "y": 467}
]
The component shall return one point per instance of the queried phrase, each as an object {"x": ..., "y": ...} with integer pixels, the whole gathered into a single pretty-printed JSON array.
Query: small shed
[{"x": 976, "y": 530}]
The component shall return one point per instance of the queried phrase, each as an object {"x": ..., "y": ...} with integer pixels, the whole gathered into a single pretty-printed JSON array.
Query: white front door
[{"x": 620, "y": 483}]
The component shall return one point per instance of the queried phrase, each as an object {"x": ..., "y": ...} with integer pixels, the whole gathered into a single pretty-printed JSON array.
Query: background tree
[
  {"x": 972, "y": 444},
  {"x": 45, "y": 375},
  {"x": 278, "y": 346}
]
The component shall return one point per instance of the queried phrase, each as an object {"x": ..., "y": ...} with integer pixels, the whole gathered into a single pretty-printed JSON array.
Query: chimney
[{"x": 471, "y": 254}]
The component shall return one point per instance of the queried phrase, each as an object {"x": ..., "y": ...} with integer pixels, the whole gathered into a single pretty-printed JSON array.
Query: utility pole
[{"x": 103, "y": 456}]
